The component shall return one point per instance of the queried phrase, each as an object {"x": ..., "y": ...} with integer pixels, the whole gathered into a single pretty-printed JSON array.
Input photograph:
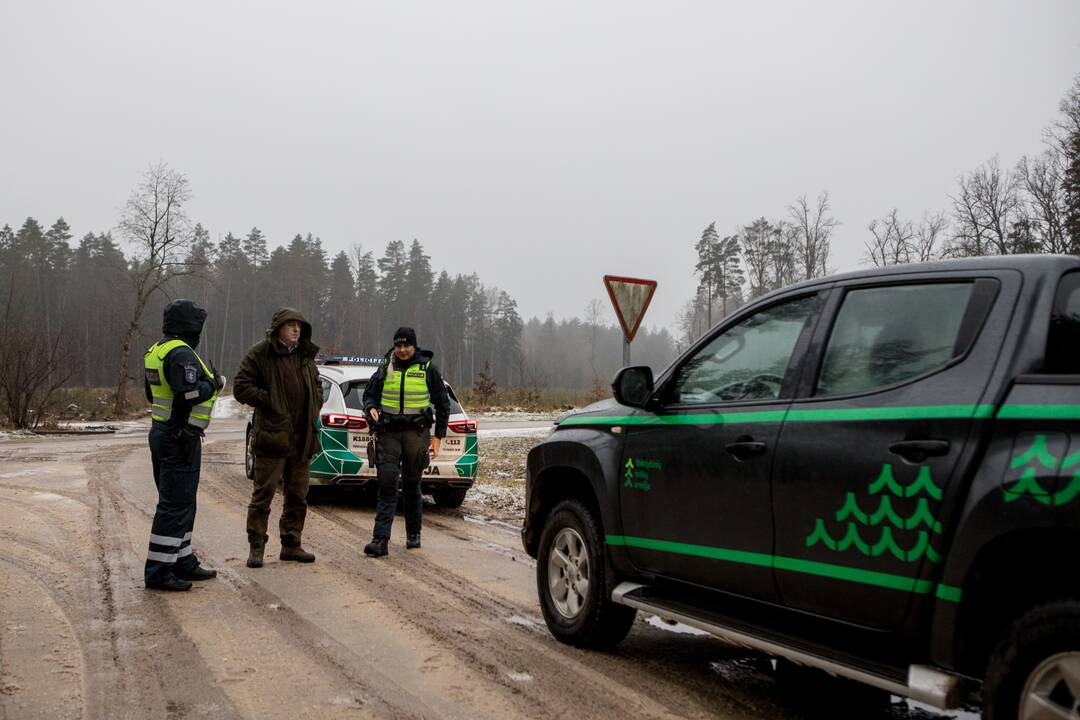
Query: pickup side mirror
[{"x": 633, "y": 386}]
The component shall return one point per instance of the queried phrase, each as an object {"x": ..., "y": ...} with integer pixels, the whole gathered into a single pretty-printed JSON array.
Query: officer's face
[
  {"x": 404, "y": 351},
  {"x": 289, "y": 332}
]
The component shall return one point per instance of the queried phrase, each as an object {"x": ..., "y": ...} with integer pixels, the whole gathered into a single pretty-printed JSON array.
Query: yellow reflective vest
[
  {"x": 405, "y": 392},
  {"x": 161, "y": 409}
]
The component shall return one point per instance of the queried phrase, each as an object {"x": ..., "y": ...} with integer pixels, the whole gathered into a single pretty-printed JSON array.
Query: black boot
[
  {"x": 376, "y": 548},
  {"x": 169, "y": 582},
  {"x": 296, "y": 553},
  {"x": 412, "y": 541},
  {"x": 255, "y": 556},
  {"x": 197, "y": 573}
]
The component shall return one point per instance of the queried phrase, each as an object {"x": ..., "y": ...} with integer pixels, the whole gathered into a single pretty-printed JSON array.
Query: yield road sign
[{"x": 631, "y": 297}]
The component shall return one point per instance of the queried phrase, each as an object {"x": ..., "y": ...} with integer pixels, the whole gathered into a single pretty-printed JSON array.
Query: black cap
[{"x": 405, "y": 335}]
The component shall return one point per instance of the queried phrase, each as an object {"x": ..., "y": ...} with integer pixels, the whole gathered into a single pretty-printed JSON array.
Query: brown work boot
[
  {"x": 296, "y": 554},
  {"x": 255, "y": 557}
]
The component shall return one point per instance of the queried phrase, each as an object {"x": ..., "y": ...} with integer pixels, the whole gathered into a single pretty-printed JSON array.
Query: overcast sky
[{"x": 541, "y": 145}]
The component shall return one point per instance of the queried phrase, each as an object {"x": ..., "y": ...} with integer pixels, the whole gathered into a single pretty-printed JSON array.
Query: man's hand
[
  {"x": 435, "y": 444},
  {"x": 374, "y": 415},
  {"x": 219, "y": 380}
]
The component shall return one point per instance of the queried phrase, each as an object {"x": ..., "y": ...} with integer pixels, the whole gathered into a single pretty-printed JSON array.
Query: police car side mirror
[{"x": 633, "y": 386}]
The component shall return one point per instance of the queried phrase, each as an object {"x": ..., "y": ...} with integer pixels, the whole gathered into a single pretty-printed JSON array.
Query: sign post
[{"x": 630, "y": 297}]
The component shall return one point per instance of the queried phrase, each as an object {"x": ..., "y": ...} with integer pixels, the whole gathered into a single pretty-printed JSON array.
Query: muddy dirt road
[{"x": 450, "y": 631}]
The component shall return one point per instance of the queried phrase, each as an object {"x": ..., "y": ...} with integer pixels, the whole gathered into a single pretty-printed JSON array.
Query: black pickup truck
[{"x": 874, "y": 474}]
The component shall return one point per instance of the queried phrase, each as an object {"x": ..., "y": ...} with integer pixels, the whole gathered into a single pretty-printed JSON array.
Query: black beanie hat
[{"x": 405, "y": 334}]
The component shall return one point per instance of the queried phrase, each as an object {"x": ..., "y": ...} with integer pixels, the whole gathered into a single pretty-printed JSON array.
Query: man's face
[
  {"x": 403, "y": 350},
  {"x": 289, "y": 332}
]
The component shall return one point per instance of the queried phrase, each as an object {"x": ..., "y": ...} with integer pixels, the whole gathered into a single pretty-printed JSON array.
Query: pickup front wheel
[
  {"x": 570, "y": 579},
  {"x": 1034, "y": 672}
]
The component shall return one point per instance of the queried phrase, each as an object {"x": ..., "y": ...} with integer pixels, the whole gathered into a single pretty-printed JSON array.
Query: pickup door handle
[
  {"x": 742, "y": 449},
  {"x": 918, "y": 450}
]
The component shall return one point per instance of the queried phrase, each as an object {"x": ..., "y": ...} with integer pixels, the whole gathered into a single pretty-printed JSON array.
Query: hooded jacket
[
  {"x": 261, "y": 384},
  {"x": 183, "y": 320},
  {"x": 436, "y": 388}
]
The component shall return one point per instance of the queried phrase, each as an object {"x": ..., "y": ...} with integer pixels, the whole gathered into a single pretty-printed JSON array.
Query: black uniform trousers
[
  {"x": 177, "y": 459},
  {"x": 400, "y": 453}
]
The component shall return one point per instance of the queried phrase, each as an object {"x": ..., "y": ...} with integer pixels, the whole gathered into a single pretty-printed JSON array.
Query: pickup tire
[
  {"x": 1036, "y": 666},
  {"x": 572, "y": 583}
]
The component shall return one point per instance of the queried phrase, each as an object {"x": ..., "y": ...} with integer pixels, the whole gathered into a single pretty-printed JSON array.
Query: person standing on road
[
  {"x": 279, "y": 379},
  {"x": 182, "y": 391},
  {"x": 397, "y": 401}
]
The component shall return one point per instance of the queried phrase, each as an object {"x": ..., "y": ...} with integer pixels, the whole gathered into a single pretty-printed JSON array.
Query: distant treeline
[{"x": 83, "y": 295}]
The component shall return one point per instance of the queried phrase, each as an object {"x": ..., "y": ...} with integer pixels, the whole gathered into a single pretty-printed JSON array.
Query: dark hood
[
  {"x": 183, "y": 319},
  {"x": 421, "y": 355},
  {"x": 282, "y": 316}
]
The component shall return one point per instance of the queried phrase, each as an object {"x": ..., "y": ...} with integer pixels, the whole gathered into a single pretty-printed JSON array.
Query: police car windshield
[{"x": 354, "y": 397}]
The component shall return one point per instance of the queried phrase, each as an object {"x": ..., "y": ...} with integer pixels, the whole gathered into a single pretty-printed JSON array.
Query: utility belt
[
  {"x": 186, "y": 436},
  {"x": 420, "y": 419}
]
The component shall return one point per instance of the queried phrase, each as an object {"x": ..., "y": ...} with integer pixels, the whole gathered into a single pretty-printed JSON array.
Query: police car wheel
[
  {"x": 571, "y": 581},
  {"x": 449, "y": 497},
  {"x": 249, "y": 454}
]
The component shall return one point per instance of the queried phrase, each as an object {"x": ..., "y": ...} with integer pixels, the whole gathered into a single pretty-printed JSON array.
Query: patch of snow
[
  {"x": 515, "y": 414},
  {"x": 675, "y": 627},
  {"x": 516, "y": 432},
  {"x": 519, "y": 676},
  {"x": 227, "y": 407}
]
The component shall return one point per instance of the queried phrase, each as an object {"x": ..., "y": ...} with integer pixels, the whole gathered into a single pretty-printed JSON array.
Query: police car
[{"x": 344, "y": 436}]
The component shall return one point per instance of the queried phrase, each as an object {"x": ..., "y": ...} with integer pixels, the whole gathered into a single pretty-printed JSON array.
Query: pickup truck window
[
  {"x": 886, "y": 335},
  {"x": 1064, "y": 339},
  {"x": 745, "y": 362}
]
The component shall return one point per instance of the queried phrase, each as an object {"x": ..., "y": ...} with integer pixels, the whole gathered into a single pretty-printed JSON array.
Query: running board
[{"x": 924, "y": 683}]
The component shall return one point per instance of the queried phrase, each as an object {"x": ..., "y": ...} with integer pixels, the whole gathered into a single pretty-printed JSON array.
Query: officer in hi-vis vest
[
  {"x": 182, "y": 391},
  {"x": 398, "y": 400}
]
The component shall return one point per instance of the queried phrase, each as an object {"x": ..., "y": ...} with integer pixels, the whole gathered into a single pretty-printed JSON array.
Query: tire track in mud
[
  {"x": 141, "y": 661},
  {"x": 381, "y": 694},
  {"x": 434, "y": 600}
]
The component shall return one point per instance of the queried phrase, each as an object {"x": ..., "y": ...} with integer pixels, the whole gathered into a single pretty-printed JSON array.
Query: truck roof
[{"x": 1027, "y": 264}]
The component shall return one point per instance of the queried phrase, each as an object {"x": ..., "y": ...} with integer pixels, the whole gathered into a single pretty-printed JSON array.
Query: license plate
[{"x": 358, "y": 442}]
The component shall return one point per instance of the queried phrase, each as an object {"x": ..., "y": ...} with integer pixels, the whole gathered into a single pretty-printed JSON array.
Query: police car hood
[{"x": 183, "y": 319}]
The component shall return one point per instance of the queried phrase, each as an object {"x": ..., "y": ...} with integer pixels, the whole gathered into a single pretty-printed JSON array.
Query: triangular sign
[{"x": 631, "y": 297}]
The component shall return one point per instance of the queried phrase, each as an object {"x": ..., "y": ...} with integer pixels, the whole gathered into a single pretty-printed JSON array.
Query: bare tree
[
  {"x": 154, "y": 223},
  {"x": 30, "y": 367},
  {"x": 813, "y": 229},
  {"x": 1042, "y": 181},
  {"x": 985, "y": 209},
  {"x": 927, "y": 236},
  {"x": 893, "y": 240}
]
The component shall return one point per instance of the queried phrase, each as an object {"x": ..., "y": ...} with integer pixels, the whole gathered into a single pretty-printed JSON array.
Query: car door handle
[
  {"x": 918, "y": 450},
  {"x": 742, "y": 449}
]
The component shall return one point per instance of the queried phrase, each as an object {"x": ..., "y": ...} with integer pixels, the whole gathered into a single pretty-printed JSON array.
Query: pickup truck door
[
  {"x": 890, "y": 396},
  {"x": 694, "y": 492}
]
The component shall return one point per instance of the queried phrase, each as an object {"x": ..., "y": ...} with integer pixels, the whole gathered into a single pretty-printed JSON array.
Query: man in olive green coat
[{"x": 279, "y": 379}]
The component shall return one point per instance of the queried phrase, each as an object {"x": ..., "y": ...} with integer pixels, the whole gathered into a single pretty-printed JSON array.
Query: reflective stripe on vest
[
  {"x": 161, "y": 408},
  {"x": 405, "y": 392}
]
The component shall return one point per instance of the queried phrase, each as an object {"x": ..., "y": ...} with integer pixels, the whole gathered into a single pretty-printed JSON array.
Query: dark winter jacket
[
  {"x": 436, "y": 388},
  {"x": 260, "y": 382},
  {"x": 183, "y": 320}
]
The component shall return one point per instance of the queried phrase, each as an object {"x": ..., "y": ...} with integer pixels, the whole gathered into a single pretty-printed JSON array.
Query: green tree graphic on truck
[{"x": 859, "y": 527}]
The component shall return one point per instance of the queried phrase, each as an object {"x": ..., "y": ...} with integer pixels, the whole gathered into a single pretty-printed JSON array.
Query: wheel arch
[{"x": 1011, "y": 574}]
